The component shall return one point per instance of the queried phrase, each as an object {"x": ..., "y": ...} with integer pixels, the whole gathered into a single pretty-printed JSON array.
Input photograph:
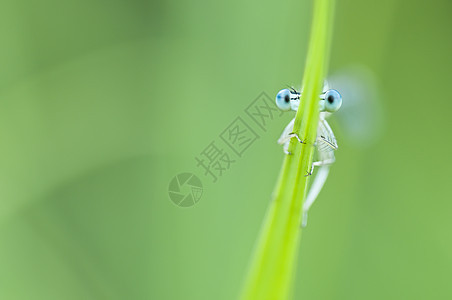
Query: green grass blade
[{"x": 271, "y": 274}]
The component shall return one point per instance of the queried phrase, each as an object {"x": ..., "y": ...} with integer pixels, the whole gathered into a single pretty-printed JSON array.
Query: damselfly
[{"x": 329, "y": 102}]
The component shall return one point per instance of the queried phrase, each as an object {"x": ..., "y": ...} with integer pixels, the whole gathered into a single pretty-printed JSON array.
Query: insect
[{"x": 329, "y": 102}]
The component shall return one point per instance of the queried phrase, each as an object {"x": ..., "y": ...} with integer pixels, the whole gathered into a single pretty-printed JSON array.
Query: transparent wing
[{"x": 326, "y": 141}]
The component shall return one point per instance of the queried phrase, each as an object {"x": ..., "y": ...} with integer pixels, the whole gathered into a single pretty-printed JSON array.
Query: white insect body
[{"x": 330, "y": 101}]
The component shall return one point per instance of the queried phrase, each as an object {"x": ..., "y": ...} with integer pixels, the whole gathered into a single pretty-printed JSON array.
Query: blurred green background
[{"x": 102, "y": 103}]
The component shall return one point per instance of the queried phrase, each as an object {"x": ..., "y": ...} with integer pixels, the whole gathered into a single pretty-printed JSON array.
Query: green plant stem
[{"x": 272, "y": 270}]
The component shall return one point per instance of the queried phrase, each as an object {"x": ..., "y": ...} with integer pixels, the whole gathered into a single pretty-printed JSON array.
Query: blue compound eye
[
  {"x": 333, "y": 100},
  {"x": 283, "y": 99}
]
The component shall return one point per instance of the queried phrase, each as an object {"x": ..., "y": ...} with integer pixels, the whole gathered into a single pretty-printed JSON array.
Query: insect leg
[
  {"x": 327, "y": 158},
  {"x": 287, "y": 135},
  {"x": 316, "y": 187}
]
